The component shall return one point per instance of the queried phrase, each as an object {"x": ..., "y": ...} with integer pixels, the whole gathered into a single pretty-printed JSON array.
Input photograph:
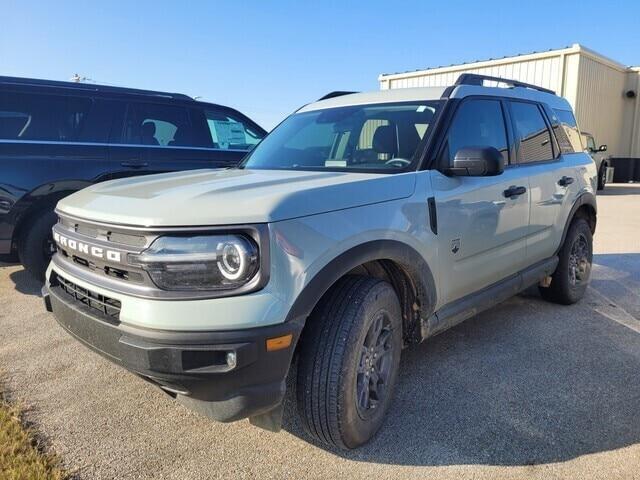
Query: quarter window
[
  {"x": 230, "y": 133},
  {"x": 477, "y": 123},
  {"x": 55, "y": 118},
  {"x": 566, "y": 130},
  {"x": 532, "y": 133}
]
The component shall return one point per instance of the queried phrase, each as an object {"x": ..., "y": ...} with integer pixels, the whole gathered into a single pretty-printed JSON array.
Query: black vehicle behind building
[{"x": 59, "y": 137}]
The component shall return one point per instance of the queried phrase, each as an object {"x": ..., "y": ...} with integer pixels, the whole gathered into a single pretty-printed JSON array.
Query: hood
[{"x": 228, "y": 197}]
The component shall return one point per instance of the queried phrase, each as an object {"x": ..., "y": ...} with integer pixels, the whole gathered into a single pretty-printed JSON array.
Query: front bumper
[{"x": 192, "y": 366}]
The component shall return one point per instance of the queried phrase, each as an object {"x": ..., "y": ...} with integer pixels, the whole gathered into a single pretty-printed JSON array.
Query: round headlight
[
  {"x": 200, "y": 262},
  {"x": 233, "y": 260}
]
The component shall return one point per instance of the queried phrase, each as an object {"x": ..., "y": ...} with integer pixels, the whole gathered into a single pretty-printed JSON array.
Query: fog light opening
[{"x": 232, "y": 359}]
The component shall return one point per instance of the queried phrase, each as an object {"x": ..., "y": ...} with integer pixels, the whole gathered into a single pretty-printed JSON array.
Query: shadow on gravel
[
  {"x": 25, "y": 283},
  {"x": 525, "y": 383}
]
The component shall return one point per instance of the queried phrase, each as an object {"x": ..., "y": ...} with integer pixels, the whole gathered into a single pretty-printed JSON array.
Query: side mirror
[
  {"x": 603, "y": 148},
  {"x": 477, "y": 162}
]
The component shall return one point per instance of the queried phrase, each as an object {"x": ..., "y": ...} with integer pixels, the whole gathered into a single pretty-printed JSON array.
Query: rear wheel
[
  {"x": 36, "y": 246},
  {"x": 571, "y": 278},
  {"x": 349, "y": 361}
]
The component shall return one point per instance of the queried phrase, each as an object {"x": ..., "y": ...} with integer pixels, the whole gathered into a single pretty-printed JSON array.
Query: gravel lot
[{"x": 524, "y": 390}]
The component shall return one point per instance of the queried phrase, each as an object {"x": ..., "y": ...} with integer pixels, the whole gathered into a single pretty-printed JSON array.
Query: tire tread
[{"x": 330, "y": 327}]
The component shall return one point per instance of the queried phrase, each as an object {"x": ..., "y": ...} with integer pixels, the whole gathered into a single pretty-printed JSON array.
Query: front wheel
[
  {"x": 36, "y": 246},
  {"x": 602, "y": 177},
  {"x": 349, "y": 361},
  {"x": 571, "y": 278}
]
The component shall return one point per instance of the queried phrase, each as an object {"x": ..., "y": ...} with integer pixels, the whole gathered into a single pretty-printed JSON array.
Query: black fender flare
[
  {"x": 406, "y": 256},
  {"x": 586, "y": 198}
]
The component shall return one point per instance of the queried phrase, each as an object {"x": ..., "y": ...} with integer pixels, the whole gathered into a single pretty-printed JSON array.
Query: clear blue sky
[{"x": 267, "y": 58}]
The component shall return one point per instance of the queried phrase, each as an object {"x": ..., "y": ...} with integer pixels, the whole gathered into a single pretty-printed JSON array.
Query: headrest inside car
[{"x": 385, "y": 140}]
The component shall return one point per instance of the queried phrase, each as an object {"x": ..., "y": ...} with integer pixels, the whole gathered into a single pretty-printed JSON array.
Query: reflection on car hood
[{"x": 227, "y": 197}]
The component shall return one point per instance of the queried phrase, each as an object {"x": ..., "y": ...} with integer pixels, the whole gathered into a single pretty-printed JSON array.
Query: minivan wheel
[
  {"x": 571, "y": 278},
  {"x": 36, "y": 246},
  {"x": 349, "y": 361}
]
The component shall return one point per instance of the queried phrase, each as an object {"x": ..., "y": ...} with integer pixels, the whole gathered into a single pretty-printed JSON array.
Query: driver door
[{"x": 482, "y": 227}]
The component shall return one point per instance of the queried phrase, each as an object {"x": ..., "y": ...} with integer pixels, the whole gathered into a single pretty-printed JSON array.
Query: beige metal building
[{"x": 604, "y": 93}]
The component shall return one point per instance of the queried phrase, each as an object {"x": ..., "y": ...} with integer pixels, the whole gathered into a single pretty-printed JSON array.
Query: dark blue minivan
[{"x": 59, "y": 137}]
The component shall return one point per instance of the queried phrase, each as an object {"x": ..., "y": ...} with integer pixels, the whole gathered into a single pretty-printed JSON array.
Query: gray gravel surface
[{"x": 527, "y": 389}]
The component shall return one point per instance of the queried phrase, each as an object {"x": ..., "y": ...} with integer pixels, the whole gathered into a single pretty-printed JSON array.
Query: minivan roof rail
[
  {"x": 476, "y": 79},
  {"x": 90, "y": 87},
  {"x": 337, "y": 93}
]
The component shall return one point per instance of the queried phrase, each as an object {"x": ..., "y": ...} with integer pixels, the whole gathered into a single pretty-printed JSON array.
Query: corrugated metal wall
[
  {"x": 594, "y": 86},
  {"x": 600, "y": 105},
  {"x": 545, "y": 72},
  {"x": 631, "y": 135}
]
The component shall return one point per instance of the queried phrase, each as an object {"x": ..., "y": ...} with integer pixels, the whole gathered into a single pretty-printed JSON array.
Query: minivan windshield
[{"x": 378, "y": 138}]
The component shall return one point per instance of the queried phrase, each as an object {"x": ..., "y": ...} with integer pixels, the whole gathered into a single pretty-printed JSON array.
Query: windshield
[{"x": 380, "y": 138}]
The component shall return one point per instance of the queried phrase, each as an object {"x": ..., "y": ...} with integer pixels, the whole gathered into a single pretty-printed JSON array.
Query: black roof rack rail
[
  {"x": 337, "y": 93},
  {"x": 475, "y": 79},
  {"x": 89, "y": 87}
]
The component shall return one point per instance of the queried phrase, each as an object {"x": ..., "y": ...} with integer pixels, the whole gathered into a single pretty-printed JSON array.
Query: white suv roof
[{"x": 380, "y": 96}]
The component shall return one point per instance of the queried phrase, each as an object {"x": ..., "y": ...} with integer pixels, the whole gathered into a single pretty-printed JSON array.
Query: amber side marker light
[{"x": 278, "y": 343}]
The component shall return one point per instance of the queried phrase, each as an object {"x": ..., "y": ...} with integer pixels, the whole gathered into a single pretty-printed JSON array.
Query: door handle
[
  {"x": 564, "y": 181},
  {"x": 134, "y": 164},
  {"x": 514, "y": 191}
]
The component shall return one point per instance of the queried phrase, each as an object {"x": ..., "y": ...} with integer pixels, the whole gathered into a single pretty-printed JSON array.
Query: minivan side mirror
[
  {"x": 603, "y": 148},
  {"x": 477, "y": 162}
]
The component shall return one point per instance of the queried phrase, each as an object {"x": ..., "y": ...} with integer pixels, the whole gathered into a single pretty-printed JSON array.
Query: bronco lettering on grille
[{"x": 81, "y": 247}]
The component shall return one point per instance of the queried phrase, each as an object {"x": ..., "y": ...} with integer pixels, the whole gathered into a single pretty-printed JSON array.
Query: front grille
[
  {"x": 127, "y": 239},
  {"x": 89, "y": 264},
  {"x": 108, "y": 307},
  {"x": 104, "y": 232}
]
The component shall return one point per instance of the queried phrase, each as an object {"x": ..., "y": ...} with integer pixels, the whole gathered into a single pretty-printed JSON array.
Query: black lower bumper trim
[{"x": 192, "y": 365}]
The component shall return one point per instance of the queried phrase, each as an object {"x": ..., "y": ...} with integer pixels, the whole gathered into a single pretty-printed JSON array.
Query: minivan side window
[
  {"x": 230, "y": 133},
  {"x": 477, "y": 123},
  {"x": 157, "y": 124},
  {"x": 570, "y": 130},
  {"x": 54, "y": 118},
  {"x": 532, "y": 133}
]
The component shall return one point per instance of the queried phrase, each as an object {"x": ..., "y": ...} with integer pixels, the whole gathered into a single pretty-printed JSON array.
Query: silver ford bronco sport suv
[{"x": 362, "y": 224}]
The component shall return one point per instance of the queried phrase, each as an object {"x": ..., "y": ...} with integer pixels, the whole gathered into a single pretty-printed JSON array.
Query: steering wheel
[{"x": 399, "y": 162}]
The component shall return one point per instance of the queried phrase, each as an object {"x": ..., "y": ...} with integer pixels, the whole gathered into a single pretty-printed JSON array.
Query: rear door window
[
  {"x": 157, "y": 125},
  {"x": 229, "y": 132},
  {"x": 531, "y": 133},
  {"x": 56, "y": 118}
]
